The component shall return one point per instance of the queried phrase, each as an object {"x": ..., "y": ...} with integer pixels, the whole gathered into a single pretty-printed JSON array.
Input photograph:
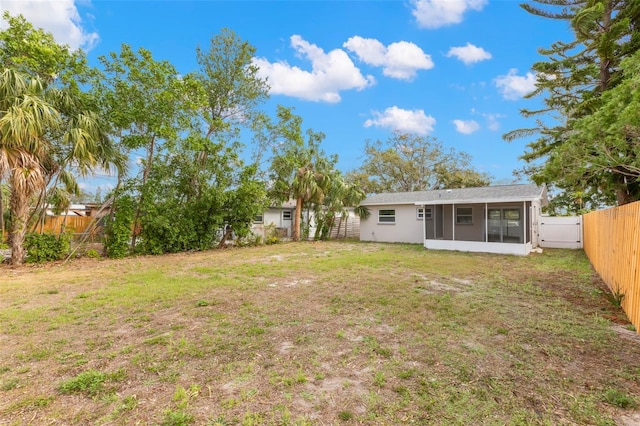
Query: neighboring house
[
  {"x": 281, "y": 217},
  {"x": 83, "y": 210},
  {"x": 493, "y": 219}
]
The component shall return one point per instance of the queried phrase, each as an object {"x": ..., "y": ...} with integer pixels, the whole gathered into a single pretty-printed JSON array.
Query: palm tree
[
  {"x": 43, "y": 132},
  {"x": 25, "y": 118}
]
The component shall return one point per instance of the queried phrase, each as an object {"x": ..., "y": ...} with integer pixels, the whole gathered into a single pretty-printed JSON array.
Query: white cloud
[
  {"x": 513, "y": 87},
  {"x": 403, "y": 120},
  {"x": 399, "y": 60},
  {"x": 330, "y": 73},
  {"x": 492, "y": 121},
  {"x": 469, "y": 54},
  {"x": 59, "y": 17},
  {"x": 438, "y": 13},
  {"x": 466, "y": 127}
]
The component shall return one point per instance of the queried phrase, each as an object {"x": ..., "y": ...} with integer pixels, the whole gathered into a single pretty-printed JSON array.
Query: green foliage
[
  {"x": 619, "y": 399},
  {"x": 9, "y": 384},
  {"x": 33, "y": 51},
  {"x": 584, "y": 136},
  {"x": 414, "y": 163},
  {"x": 177, "y": 418},
  {"x": 46, "y": 247},
  {"x": 118, "y": 230},
  {"x": 614, "y": 297},
  {"x": 193, "y": 182},
  {"x": 300, "y": 170},
  {"x": 89, "y": 383},
  {"x": 345, "y": 415},
  {"x": 93, "y": 254},
  {"x": 271, "y": 234},
  {"x": 51, "y": 129}
]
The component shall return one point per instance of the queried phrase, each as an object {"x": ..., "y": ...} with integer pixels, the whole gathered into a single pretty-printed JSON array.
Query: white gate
[{"x": 561, "y": 232}]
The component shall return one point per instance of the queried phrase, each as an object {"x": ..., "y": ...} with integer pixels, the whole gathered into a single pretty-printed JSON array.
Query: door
[{"x": 504, "y": 225}]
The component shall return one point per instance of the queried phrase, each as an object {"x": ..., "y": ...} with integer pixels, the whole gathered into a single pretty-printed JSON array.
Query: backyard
[{"x": 316, "y": 333}]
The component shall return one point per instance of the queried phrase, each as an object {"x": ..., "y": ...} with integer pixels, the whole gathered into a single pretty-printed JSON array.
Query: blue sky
[{"x": 355, "y": 70}]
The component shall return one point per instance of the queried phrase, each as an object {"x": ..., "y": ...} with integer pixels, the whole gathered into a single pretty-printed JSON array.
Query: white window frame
[
  {"x": 460, "y": 215},
  {"x": 387, "y": 218},
  {"x": 286, "y": 213},
  {"x": 259, "y": 218},
  {"x": 419, "y": 213}
]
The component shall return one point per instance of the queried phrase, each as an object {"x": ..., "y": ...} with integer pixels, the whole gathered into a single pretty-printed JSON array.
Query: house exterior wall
[
  {"x": 407, "y": 228},
  {"x": 274, "y": 216},
  {"x": 479, "y": 247}
]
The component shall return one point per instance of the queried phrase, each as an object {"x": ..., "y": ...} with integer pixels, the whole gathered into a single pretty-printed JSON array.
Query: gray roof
[{"x": 498, "y": 193}]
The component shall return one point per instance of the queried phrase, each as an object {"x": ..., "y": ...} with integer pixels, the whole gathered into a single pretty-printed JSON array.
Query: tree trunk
[
  {"x": 623, "y": 196},
  {"x": 145, "y": 176},
  {"x": 20, "y": 210},
  {"x": 1, "y": 213},
  {"x": 605, "y": 62},
  {"x": 296, "y": 220},
  {"x": 338, "y": 230},
  {"x": 228, "y": 232}
]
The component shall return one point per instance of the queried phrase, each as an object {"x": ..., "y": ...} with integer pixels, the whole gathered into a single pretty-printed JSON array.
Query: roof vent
[{"x": 449, "y": 190}]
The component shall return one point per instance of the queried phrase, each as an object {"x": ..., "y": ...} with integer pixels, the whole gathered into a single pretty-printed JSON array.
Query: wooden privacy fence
[
  {"x": 58, "y": 224},
  {"x": 611, "y": 241}
]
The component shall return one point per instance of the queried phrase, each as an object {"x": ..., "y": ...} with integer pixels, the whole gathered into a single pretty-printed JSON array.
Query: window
[
  {"x": 286, "y": 215},
  {"x": 464, "y": 215},
  {"x": 259, "y": 218},
  {"x": 428, "y": 214},
  {"x": 386, "y": 216}
]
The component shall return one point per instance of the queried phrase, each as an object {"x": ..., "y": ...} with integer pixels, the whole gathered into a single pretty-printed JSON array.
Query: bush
[
  {"x": 118, "y": 230},
  {"x": 93, "y": 254},
  {"x": 46, "y": 247}
]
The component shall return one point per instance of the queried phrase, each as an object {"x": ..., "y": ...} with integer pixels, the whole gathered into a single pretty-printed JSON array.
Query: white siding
[
  {"x": 274, "y": 216},
  {"x": 406, "y": 229}
]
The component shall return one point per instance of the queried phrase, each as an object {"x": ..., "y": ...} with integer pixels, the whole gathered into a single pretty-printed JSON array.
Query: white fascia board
[
  {"x": 397, "y": 203},
  {"x": 476, "y": 201}
]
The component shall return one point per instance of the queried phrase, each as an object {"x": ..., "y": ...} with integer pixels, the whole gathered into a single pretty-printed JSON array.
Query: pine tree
[{"x": 572, "y": 81}]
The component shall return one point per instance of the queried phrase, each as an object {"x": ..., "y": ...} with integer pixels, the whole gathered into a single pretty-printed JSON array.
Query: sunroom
[{"x": 495, "y": 219}]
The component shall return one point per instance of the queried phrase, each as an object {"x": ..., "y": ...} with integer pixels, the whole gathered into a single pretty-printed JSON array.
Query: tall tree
[
  {"x": 230, "y": 90},
  {"x": 407, "y": 162},
  {"x": 37, "y": 124},
  {"x": 340, "y": 195},
  {"x": 572, "y": 81},
  {"x": 49, "y": 130},
  {"x": 299, "y": 169},
  {"x": 603, "y": 148},
  {"x": 147, "y": 103}
]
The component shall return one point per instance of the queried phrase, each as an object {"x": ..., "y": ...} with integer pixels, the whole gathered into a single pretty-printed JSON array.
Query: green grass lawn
[{"x": 314, "y": 333}]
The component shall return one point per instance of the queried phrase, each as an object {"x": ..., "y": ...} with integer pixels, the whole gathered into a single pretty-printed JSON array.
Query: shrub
[
  {"x": 271, "y": 234},
  {"x": 46, "y": 247},
  {"x": 93, "y": 254},
  {"x": 118, "y": 230}
]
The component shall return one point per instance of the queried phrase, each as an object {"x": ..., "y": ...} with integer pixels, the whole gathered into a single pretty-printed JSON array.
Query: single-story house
[
  {"x": 493, "y": 219},
  {"x": 281, "y": 217}
]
